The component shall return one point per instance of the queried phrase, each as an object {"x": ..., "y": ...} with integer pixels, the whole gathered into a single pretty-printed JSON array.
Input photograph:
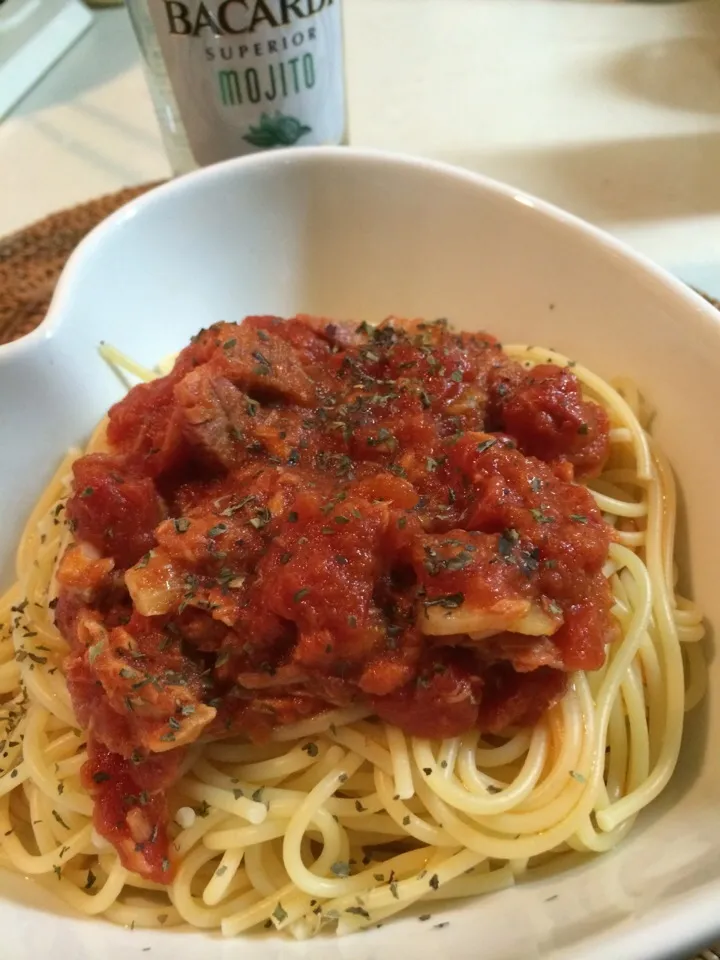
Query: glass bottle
[{"x": 232, "y": 77}]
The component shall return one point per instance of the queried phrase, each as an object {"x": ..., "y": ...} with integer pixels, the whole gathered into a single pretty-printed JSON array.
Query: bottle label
[{"x": 249, "y": 75}]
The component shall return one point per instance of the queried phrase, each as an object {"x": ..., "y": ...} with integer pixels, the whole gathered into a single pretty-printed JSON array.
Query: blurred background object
[
  {"x": 225, "y": 85},
  {"x": 609, "y": 108},
  {"x": 35, "y": 34}
]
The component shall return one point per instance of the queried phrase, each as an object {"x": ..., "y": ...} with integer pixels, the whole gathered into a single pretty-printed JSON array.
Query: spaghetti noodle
[{"x": 340, "y": 818}]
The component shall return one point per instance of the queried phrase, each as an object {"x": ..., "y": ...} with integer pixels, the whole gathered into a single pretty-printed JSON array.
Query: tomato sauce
[{"x": 306, "y": 514}]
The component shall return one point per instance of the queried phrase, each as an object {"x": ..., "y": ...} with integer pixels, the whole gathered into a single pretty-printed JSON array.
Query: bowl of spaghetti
[{"x": 357, "y": 579}]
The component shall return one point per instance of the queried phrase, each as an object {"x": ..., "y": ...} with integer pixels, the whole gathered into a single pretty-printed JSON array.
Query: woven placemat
[{"x": 31, "y": 259}]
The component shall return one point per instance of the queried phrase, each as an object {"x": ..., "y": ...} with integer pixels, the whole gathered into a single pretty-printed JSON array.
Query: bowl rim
[
  {"x": 81, "y": 256},
  {"x": 683, "y": 922}
]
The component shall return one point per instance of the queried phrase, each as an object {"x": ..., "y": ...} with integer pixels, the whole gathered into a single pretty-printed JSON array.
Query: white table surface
[{"x": 610, "y": 109}]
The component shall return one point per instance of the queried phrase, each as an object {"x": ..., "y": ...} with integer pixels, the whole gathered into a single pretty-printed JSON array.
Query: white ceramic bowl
[{"x": 351, "y": 234}]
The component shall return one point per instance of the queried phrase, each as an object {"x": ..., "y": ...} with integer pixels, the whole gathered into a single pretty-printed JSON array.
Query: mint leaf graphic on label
[{"x": 277, "y": 131}]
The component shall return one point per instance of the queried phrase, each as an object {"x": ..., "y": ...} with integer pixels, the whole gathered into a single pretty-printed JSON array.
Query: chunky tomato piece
[
  {"x": 543, "y": 409},
  {"x": 130, "y": 809},
  {"x": 114, "y": 510}
]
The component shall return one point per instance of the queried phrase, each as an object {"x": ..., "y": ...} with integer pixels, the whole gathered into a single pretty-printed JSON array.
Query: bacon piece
[
  {"x": 215, "y": 415},
  {"x": 133, "y": 690},
  {"x": 263, "y": 365},
  {"x": 81, "y": 572}
]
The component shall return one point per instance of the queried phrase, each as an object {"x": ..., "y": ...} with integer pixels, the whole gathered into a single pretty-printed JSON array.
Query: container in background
[{"x": 232, "y": 77}]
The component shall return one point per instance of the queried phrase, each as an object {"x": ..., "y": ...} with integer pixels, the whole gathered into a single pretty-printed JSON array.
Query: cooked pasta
[{"x": 340, "y": 817}]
